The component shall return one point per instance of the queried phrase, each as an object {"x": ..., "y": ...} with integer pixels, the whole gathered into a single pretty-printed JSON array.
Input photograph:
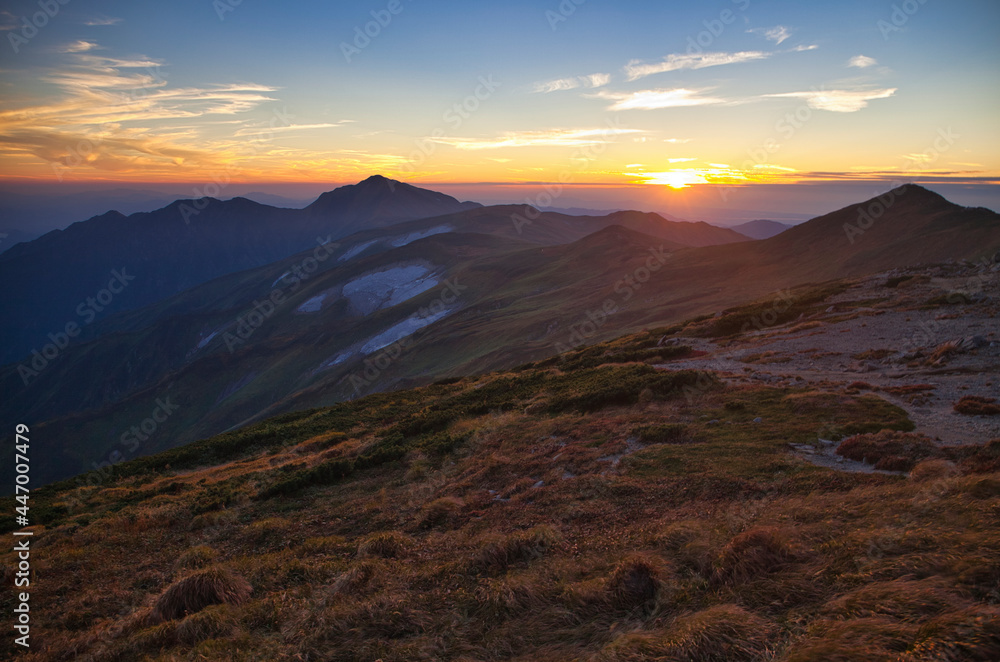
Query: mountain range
[{"x": 406, "y": 302}]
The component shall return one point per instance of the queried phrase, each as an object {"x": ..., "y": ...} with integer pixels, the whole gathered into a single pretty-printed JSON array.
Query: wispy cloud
[
  {"x": 257, "y": 130},
  {"x": 862, "y": 62},
  {"x": 805, "y": 47},
  {"x": 78, "y": 46},
  {"x": 102, "y": 20},
  {"x": 116, "y": 109},
  {"x": 654, "y": 99},
  {"x": 636, "y": 69},
  {"x": 777, "y": 34},
  {"x": 560, "y": 84},
  {"x": 549, "y": 138},
  {"x": 839, "y": 101}
]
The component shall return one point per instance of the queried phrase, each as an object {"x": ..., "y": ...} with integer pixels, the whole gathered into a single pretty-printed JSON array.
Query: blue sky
[{"x": 668, "y": 95}]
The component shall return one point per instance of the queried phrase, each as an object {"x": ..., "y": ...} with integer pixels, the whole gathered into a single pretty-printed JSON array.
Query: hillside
[
  {"x": 63, "y": 277},
  {"x": 594, "y": 506},
  {"x": 516, "y": 303},
  {"x": 760, "y": 229}
]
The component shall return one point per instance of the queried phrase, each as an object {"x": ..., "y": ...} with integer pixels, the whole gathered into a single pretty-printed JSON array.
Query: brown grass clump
[
  {"x": 902, "y": 599},
  {"x": 518, "y": 547},
  {"x": 889, "y": 450},
  {"x": 752, "y": 554},
  {"x": 213, "y": 622},
  {"x": 636, "y": 582},
  {"x": 725, "y": 633},
  {"x": 358, "y": 576},
  {"x": 386, "y": 545},
  {"x": 196, "y": 557},
  {"x": 870, "y": 639},
  {"x": 199, "y": 590},
  {"x": 977, "y": 405},
  {"x": 936, "y": 469},
  {"x": 443, "y": 512},
  {"x": 983, "y": 459},
  {"x": 970, "y": 634}
]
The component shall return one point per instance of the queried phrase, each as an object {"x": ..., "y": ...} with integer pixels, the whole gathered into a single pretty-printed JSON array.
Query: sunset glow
[{"x": 111, "y": 93}]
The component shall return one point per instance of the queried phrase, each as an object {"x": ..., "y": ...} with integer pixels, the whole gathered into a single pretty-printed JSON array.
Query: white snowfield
[
  {"x": 421, "y": 234},
  {"x": 386, "y": 288},
  {"x": 354, "y": 250},
  {"x": 405, "y": 328}
]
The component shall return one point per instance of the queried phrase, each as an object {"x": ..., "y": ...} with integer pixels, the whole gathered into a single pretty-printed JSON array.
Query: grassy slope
[{"x": 588, "y": 508}]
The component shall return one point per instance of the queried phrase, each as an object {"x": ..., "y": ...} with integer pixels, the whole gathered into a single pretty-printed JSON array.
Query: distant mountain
[
  {"x": 69, "y": 276},
  {"x": 760, "y": 229},
  {"x": 416, "y": 301}
]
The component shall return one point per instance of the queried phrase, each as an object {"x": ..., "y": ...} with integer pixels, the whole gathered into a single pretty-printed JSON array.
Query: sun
[{"x": 676, "y": 179}]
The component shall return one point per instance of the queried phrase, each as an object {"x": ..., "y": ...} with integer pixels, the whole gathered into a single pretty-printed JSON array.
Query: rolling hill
[
  {"x": 63, "y": 277},
  {"x": 379, "y": 316}
]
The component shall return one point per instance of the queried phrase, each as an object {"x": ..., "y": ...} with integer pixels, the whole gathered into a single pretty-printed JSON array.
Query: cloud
[
  {"x": 800, "y": 48},
  {"x": 265, "y": 129},
  {"x": 839, "y": 101},
  {"x": 654, "y": 99},
  {"x": 777, "y": 34},
  {"x": 861, "y": 61},
  {"x": 102, "y": 20},
  {"x": 560, "y": 84},
  {"x": 78, "y": 46},
  {"x": 636, "y": 69},
  {"x": 112, "y": 114},
  {"x": 549, "y": 138}
]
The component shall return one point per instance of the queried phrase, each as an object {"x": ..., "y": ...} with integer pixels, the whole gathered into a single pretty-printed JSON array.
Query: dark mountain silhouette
[{"x": 49, "y": 280}]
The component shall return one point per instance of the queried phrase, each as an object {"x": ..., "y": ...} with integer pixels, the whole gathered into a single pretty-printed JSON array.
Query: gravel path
[{"x": 887, "y": 338}]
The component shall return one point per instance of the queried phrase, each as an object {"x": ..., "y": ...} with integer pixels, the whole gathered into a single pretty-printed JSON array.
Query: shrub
[
  {"x": 199, "y": 590},
  {"x": 977, "y": 405},
  {"x": 386, "y": 545},
  {"x": 635, "y": 582},
  {"x": 751, "y": 554}
]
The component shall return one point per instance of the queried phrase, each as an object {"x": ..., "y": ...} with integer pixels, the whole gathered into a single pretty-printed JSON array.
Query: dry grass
[
  {"x": 976, "y": 405},
  {"x": 752, "y": 554},
  {"x": 386, "y": 545},
  {"x": 199, "y": 590},
  {"x": 889, "y": 450}
]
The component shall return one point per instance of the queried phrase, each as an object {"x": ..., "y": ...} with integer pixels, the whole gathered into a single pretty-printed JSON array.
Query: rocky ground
[{"x": 920, "y": 338}]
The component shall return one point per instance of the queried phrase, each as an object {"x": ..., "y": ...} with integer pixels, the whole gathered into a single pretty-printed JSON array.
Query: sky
[{"x": 777, "y": 106}]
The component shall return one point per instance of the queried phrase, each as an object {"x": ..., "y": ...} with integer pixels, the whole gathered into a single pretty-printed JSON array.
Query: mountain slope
[
  {"x": 603, "y": 509},
  {"x": 760, "y": 229},
  {"x": 514, "y": 303},
  {"x": 53, "y": 280}
]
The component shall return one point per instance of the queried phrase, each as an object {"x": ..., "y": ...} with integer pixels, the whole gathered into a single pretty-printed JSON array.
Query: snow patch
[
  {"x": 208, "y": 339},
  {"x": 420, "y": 234},
  {"x": 398, "y": 331},
  {"x": 280, "y": 277},
  {"x": 354, "y": 250},
  {"x": 315, "y": 304},
  {"x": 384, "y": 289}
]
